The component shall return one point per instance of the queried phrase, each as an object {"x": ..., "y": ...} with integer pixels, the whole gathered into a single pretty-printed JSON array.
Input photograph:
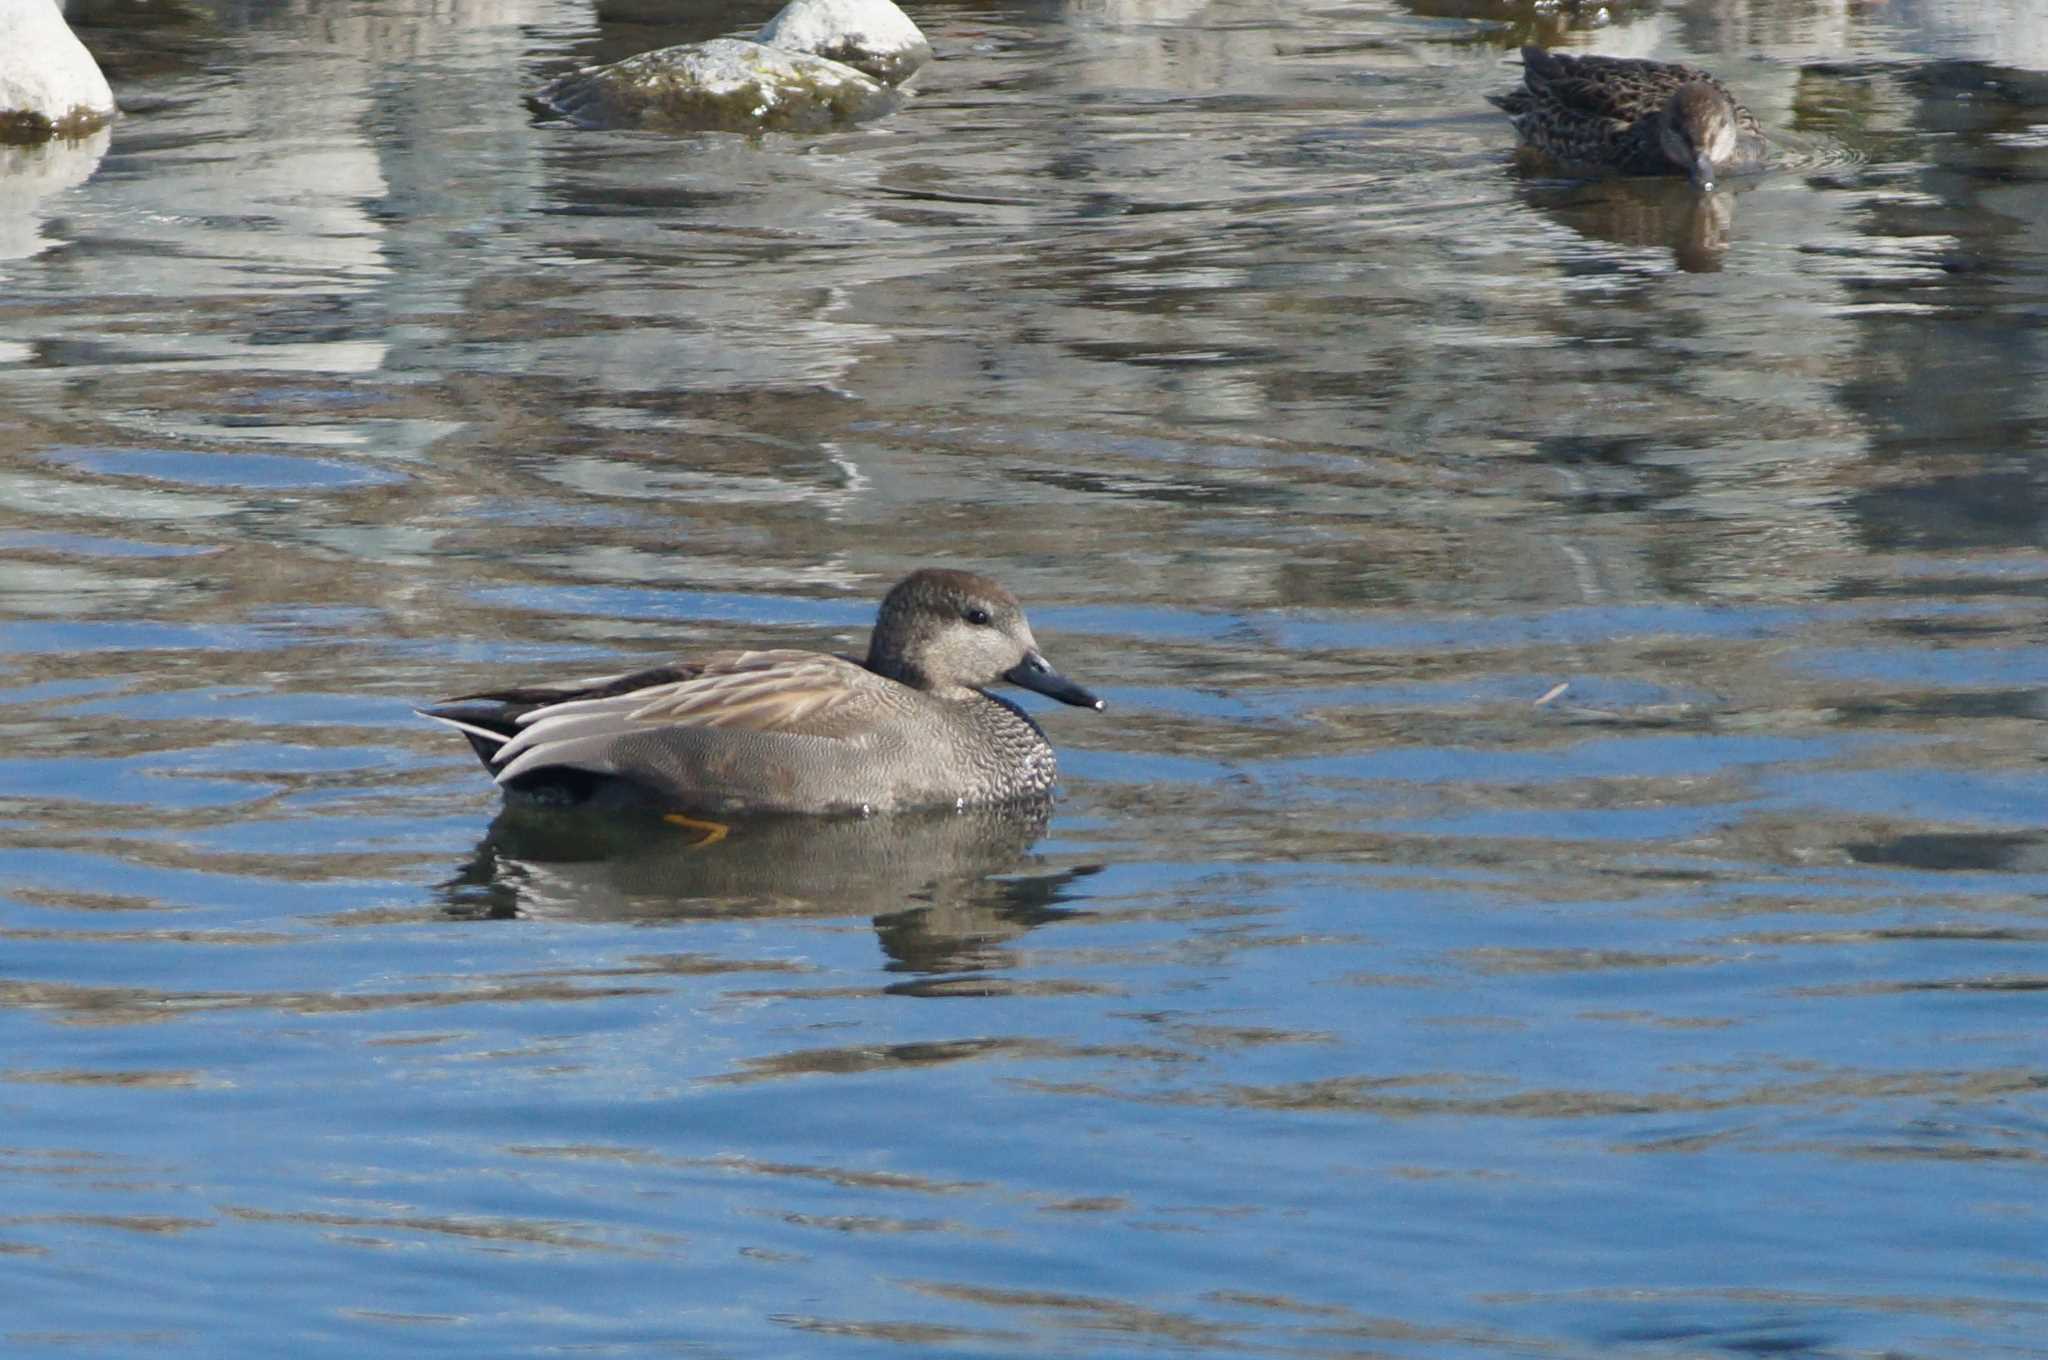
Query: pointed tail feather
[{"x": 486, "y": 727}]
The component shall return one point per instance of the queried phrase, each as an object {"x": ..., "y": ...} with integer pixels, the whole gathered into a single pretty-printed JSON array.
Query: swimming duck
[
  {"x": 1595, "y": 115},
  {"x": 784, "y": 731}
]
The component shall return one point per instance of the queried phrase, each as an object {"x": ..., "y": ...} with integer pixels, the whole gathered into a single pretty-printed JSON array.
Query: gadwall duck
[
  {"x": 1616, "y": 115},
  {"x": 790, "y": 731}
]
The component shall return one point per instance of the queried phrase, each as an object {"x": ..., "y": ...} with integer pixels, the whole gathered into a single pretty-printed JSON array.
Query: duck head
[
  {"x": 1698, "y": 131},
  {"x": 948, "y": 632}
]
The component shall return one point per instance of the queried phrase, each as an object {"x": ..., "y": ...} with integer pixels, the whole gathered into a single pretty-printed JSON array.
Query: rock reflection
[
  {"x": 1956, "y": 851},
  {"x": 928, "y": 879},
  {"x": 1548, "y": 23},
  {"x": 30, "y": 174}
]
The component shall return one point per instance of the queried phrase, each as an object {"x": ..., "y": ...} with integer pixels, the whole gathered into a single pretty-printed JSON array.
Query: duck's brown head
[
  {"x": 1698, "y": 131},
  {"x": 947, "y": 632}
]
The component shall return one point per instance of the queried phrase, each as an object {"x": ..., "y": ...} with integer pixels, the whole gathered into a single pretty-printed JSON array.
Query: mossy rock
[
  {"x": 29, "y": 127},
  {"x": 725, "y": 85}
]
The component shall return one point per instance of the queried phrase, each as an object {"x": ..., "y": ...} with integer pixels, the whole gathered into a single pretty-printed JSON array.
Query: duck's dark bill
[{"x": 1033, "y": 673}]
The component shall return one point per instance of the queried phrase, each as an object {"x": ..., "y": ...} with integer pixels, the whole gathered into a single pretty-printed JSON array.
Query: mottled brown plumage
[
  {"x": 794, "y": 731},
  {"x": 1616, "y": 115}
]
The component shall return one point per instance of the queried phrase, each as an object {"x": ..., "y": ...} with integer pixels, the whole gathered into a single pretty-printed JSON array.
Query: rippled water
[{"x": 1561, "y": 872}]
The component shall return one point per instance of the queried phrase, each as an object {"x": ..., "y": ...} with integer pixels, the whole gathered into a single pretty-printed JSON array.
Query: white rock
[
  {"x": 49, "y": 84},
  {"x": 870, "y": 35},
  {"x": 727, "y": 84}
]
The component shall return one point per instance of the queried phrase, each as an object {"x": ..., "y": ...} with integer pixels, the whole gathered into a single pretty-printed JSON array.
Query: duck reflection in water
[
  {"x": 1661, "y": 214},
  {"x": 945, "y": 888}
]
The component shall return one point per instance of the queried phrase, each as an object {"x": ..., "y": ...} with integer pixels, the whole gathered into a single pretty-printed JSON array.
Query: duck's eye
[{"x": 977, "y": 616}]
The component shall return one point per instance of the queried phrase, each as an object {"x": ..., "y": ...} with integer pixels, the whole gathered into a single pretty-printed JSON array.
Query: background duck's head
[
  {"x": 1698, "y": 130},
  {"x": 945, "y": 632}
]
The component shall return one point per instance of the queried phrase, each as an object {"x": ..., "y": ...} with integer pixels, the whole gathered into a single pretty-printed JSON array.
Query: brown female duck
[{"x": 1616, "y": 115}]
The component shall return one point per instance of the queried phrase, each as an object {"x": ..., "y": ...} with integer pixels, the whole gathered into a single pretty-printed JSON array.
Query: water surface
[{"x": 1560, "y": 874}]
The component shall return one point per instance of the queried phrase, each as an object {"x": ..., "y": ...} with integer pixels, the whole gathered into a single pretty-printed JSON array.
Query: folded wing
[{"x": 519, "y": 731}]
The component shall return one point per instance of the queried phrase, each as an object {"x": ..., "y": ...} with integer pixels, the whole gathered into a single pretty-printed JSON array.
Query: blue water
[{"x": 1560, "y": 873}]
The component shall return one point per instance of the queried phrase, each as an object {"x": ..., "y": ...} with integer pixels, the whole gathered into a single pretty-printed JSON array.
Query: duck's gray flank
[
  {"x": 1620, "y": 115},
  {"x": 792, "y": 731}
]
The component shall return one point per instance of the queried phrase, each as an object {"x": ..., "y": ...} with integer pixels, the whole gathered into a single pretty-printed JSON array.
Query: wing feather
[
  {"x": 586, "y": 752},
  {"x": 805, "y": 693},
  {"x": 1621, "y": 89}
]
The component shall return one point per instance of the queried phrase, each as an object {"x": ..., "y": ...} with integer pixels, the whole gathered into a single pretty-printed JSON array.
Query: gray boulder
[
  {"x": 724, "y": 85},
  {"x": 869, "y": 35}
]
